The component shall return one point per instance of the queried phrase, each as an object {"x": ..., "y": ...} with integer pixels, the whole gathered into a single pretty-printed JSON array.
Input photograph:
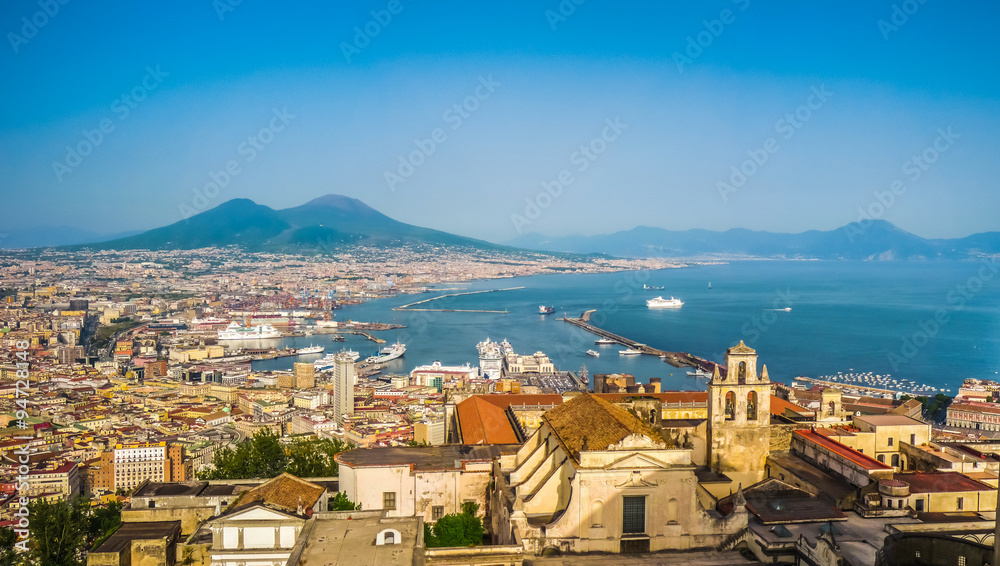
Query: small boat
[
  {"x": 709, "y": 284},
  {"x": 699, "y": 373},
  {"x": 629, "y": 352},
  {"x": 542, "y": 309},
  {"x": 652, "y": 288},
  {"x": 604, "y": 341},
  {"x": 594, "y": 353}
]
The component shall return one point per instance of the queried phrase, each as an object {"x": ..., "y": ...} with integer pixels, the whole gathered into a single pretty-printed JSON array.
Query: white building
[{"x": 343, "y": 386}]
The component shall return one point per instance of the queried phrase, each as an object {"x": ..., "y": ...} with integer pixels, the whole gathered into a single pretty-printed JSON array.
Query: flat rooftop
[
  {"x": 940, "y": 482},
  {"x": 889, "y": 420},
  {"x": 156, "y": 489},
  {"x": 128, "y": 532},
  {"x": 349, "y": 538},
  {"x": 846, "y": 452},
  {"x": 445, "y": 457}
]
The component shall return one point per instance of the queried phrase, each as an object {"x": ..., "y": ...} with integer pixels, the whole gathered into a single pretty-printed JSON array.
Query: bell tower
[{"x": 739, "y": 416}]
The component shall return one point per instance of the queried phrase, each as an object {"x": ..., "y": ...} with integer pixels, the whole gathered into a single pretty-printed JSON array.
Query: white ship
[
  {"x": 328, "y": 361},
  {"x": 594, "y": 353},
  {"x": 389, "y": 353},
  {"x": 311, "y": 350},
  {"x": 629, "y": 352},
  {"x": 604, "y": 341},
  {"x": 699, "y": 373},
  {"x": 661, "y": 303},
  {"x": 235, "y": 331}
]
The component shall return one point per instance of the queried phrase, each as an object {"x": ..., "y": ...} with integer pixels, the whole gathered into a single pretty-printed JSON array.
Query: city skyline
[{"x": 458, "y": 118}]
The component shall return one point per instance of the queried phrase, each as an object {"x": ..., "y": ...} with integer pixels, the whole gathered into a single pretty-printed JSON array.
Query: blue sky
[{"x": 538, "y": 80}]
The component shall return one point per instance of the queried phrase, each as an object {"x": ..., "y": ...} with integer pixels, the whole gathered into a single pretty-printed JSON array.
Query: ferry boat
[
  {"x": 236, "y": 331},
  {"x": 629, "y": 352},
  {"x": 210, "y": 321},
  {"x": 328, "y": 361},
  {"x": 651, "y": 288},
  {"x": 604, "y": 341},
  {"x": 593, "y": 353},
  {"x": 699, "y": 373},
  {"x": 661, "y": 303},
  {"x": 389, "y": 353},
  {"x": 542, "y": 309},
  {"x": 311, "y": 350}
]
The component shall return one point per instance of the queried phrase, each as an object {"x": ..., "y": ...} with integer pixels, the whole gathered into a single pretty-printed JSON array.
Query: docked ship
[
  {"x": 661, "y": 303},
  {"x": 542, "y": 309},
  {"x": 604, "y": 341},
  {"x": 629, "y": 352},
  {"x": 209, "y": 321},
  {"x": 236, "y": 331},
  {"x": 328, "y": 361},
  {"x": 699, "y": 373},
  {"x": 311, "y": 350},
  {"x": 389, "y": 353}
]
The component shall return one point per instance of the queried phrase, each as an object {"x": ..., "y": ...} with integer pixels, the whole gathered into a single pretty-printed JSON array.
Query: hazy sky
[{"x": 302, "y": 99}]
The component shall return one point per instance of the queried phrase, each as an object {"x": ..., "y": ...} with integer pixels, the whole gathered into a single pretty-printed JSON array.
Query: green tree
[
  {"x": 8, "y": 556},
  {"x": 262, "y": 456},
  {"x": 456, "y": 529},
  {"x": 103, "y": 521},
  {"x": 57, "y": 532},
  {"x": 340, "y": 502}
]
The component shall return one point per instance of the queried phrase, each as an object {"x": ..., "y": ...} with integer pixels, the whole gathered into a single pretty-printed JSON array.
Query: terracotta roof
[
  {"x": 482, "y": 422},
  {"x": 588, "y": 422},
  {"x": 839, "y": 449},
  {"x": 779, "y": 406},
  {"x": 285, "y": 491}
]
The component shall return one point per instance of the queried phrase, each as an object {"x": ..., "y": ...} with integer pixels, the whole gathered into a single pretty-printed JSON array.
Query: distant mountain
[
  {"x": 319, "y": 225},
  {"x": 877, "y": 240},
  {"x": 43, "y": 236}
]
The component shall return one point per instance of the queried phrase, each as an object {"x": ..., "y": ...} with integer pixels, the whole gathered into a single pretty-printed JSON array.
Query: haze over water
[{"x": 845, "y": 316}]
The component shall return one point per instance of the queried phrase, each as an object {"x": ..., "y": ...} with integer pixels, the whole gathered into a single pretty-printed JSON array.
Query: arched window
[
  {"x": 881, "y": 458},
  {"x": 832, "y": 410},
  {"x": 652, "y": 416},
  {"x": 743, "y": 373},
  {"x": 730, "y": 406},
  {"x": 597, "y": 514},
  {"x": 388, "y": 536},
  {"x": 672, "y": 512},
  {"x": 752, "y": 406}
]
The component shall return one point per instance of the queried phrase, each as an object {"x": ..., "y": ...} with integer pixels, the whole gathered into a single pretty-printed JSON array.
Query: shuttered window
[{"x": 633, "y": 514}]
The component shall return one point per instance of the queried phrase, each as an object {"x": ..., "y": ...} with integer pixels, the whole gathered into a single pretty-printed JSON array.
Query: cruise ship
[
  {"x": 209, "y": 321},
  {"x": 389, "y": 353},
  {"x": 661, "y": 303},
  {"x": 311, "y": 350},
  {"x": 236, "y": 331}
]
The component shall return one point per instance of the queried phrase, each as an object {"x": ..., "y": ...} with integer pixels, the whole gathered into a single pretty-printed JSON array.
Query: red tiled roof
[
  {"x": 779, "y": 406},
  {"x": 482, "y": 422},
  {"x": 839, "y": 449}
]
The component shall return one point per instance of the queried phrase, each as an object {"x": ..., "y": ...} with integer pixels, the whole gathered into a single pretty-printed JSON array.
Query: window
[
  {"x": 730, "y": 406},
  {"x": 895, "y": 460},
  {"x": 389, "y": 500},
  {"x": 633, "y": 514},
  {"x": 961, "y": 503},
  {"x": 437, "y": 512},
  {"x": 890, "y": 441},
  {"x": 881, "y": 458},
  {"x": 920, "y": 505},
  {"x": 961, "y": 561},
  {"x": 390, "y": 537},
  {"x": 913, "y": 439}
]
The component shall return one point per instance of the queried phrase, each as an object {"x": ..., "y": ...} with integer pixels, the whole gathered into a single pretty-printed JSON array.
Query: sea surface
[{"x": 935, "y": 323}]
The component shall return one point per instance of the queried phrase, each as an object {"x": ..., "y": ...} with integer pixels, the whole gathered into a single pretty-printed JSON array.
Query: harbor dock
[
  {"x": 408, "y": 307},
  {"x": 676, "y": 359}
]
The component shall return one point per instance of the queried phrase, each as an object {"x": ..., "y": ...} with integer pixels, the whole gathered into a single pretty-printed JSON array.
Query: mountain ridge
[{"x": 873, "y": 240}]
